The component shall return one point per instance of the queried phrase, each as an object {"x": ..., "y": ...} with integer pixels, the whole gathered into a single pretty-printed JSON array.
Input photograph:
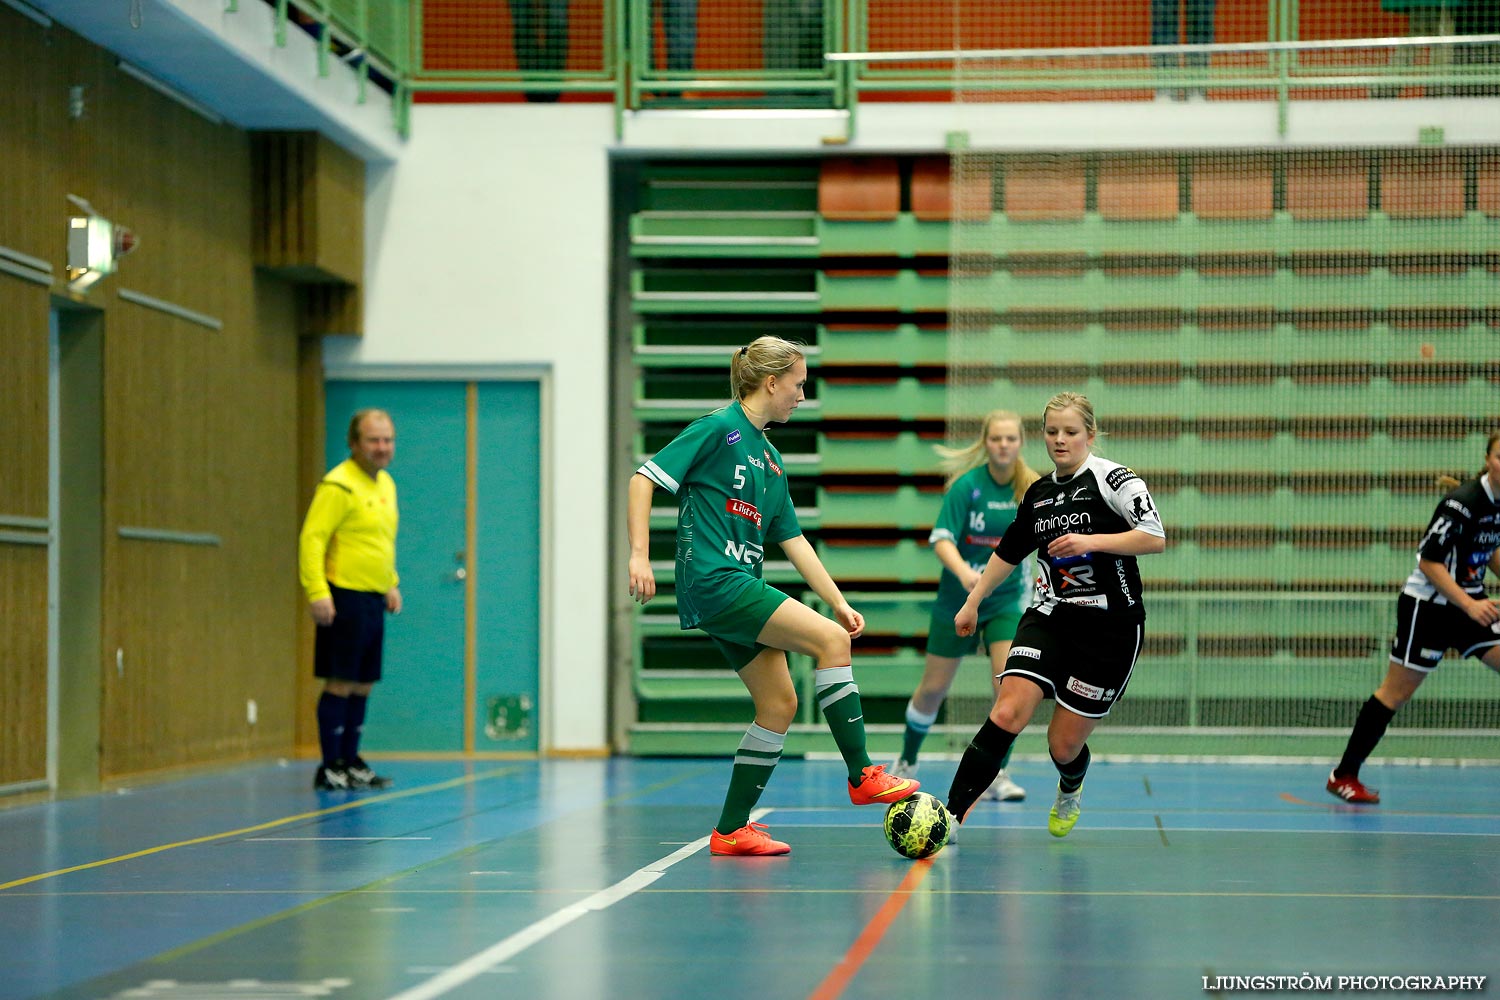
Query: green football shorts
[
  {"x": 943, "y": 641},
  {"x": 735, "y": 629}
]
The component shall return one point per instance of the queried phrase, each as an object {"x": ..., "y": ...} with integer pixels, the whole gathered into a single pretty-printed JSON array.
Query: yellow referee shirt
[{"x": 349, "y": 537}]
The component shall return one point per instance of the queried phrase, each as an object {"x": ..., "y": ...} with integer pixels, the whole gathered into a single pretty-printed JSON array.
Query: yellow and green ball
[{"x": 917, "y": 826}]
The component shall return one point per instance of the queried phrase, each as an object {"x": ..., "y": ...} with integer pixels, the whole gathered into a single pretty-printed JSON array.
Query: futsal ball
[{"x": 917, "y": 826}]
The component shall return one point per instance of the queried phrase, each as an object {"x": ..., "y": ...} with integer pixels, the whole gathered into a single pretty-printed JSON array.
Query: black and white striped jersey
[
  {"x": 1101, "y": 498},
  {"x": 1462, "y": 535}
]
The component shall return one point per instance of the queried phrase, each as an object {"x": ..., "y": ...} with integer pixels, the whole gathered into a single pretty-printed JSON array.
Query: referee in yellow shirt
[{"x": 346, "y": 556}]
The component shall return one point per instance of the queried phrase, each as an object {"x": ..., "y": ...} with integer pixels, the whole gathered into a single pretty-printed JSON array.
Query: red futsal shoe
[
  {"x": 1351, "y": 789},
  {"x": 879, "y": 787},
  {"x": 749, "y": 841}
]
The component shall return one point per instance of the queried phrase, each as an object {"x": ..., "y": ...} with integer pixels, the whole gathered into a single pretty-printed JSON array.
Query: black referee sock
[
  {"x": 1070, "y": 775},
  {"x": 1368, "y": 729},
  {"x": 976, "y": 772},
  {"x": 354, "y": 725},
  {"x": 332, "y": 710}
]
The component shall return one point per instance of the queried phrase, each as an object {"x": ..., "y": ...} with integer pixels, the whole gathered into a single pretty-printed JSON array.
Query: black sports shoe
[
  {"x": 361, "y": 775},
  {"x": 332, "y": 779}
]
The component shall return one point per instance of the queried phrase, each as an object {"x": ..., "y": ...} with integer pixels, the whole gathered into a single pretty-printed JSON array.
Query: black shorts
[
  {"x": 349, "y": 649},
  {"x": 1081, "y": 657},
  {"x": 1425, "y": 630}
]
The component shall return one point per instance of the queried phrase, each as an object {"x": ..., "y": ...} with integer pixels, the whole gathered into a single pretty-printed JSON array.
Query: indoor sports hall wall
[
  {"x": 168, "y": 633},
  {"x": 488, "y": 249}
]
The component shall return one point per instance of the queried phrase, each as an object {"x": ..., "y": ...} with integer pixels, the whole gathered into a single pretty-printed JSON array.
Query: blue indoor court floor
[{"x": 583, "y": 879}]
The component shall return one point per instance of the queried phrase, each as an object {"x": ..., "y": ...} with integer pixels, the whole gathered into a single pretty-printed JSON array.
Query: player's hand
[
  {"x": 393, "y": 600},
  {"x": 1070, "y": 545},
  {"x": 1486, "y": 613},
  {"x": 967, "y": 620},
  {"x": 969, "y": 579},
  {"x": 853, "y": 621},
  {"x": 642, "y": 580},
  {"x": 321, "y": 610}
]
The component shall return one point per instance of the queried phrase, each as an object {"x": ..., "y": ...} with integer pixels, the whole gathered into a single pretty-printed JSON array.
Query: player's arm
[
  {"x": 805, "y": 559},
  {"x": 1127, "y": 495},
  {"x": 950, "y": 522},
  {"x": 1483, "y": 612},
  {"x": 638, "y": 528},
  {"x": 947, "y": 554},
  {"x": 996, "y": 571},
  {"x": 1134, "y": 542}
]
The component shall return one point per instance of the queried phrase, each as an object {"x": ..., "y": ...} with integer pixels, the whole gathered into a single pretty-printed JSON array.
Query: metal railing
[
  {"x": 653, "y": 53},
  {"x": 372, "y": 37},
  {"x": 642, "y": 54}
]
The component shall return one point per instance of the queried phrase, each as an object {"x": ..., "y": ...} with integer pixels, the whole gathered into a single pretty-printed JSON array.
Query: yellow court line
[{"x": 271, "y": 825}]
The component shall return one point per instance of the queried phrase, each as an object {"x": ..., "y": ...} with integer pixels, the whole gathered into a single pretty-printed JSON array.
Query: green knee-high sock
[
  {"x": 759, "y": 752},
  {"x": 838, "y": 698},
  {"x": 917, "y": 726}
]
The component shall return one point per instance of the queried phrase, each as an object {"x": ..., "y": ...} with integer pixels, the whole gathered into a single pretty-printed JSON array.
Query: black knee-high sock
[
  {"x": 354, "y": 725},
  {"x": 1070, "y": 775},
  {"x": 981, "y": 762},
  {"x": 332, "y": 710},
  {"x": 1368, "y": 729}
]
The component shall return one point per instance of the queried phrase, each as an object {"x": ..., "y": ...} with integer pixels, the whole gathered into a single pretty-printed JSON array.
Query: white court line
[
  {"x": 366, "y": 839},
  {"x": 508, "y": 948}
]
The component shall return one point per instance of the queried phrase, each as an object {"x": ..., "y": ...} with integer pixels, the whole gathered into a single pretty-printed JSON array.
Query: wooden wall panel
[
  {"x": 203, "y": 427},
  {"x": 308, "y": 208},
  {"x": 35, "y": 124},
  {"x": 23, "y": 567},
  {"x": 24, "y": 310},
  {"x": 32, "y": 222},
  {"x": 23, "y": 663},
  {"x": 200, "y": 425}
]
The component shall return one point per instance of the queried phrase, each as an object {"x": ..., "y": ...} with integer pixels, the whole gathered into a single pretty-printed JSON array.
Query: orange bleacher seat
[
  {"x": 1045, "y": 189},
  {"x": 1320, "y": 187},
  {"x": 1239, "y": 188},
  {"x": 859, "y": 189},
  {"x": 1137, "y": 189},
  {"x": 1425, "y": 184},
  {"x": 1488, "y": 185},
  {"x": 932, "y": 191}
]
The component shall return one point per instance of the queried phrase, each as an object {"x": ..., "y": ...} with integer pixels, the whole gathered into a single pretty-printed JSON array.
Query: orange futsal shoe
[
  {"x": 877, "y": 787},
  {"x": 750, "y": 840},
  {"x": 1351, "y": 789}
]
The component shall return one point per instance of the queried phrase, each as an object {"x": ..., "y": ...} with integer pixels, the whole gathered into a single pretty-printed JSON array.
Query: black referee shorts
[{"x": 349, "y": 649}]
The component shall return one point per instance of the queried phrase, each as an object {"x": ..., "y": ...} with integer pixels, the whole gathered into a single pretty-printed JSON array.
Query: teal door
[{"x": 462, "y": 659}]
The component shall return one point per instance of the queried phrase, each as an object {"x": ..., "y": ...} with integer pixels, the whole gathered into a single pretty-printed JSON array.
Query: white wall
[{"x": 487, "y": 245}]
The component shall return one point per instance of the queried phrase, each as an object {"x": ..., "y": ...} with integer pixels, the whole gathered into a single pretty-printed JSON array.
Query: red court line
[{"x": 833, "y": 986}]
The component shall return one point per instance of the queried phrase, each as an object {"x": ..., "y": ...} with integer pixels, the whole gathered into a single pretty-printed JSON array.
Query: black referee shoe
[
  {"x": 361, "y": 775},
  {"x": 332, "y": 779}
]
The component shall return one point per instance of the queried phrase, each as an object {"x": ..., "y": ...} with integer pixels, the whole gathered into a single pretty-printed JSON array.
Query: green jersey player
[{"x": 732, "y": 498}]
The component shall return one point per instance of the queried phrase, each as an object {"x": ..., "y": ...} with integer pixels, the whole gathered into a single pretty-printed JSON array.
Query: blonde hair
[
  {"x": 359, "y": 418},
  {"x": 1075, "y": 401},
  {"x": 957, "y": 461},
  {"x": 760, "y": 359},
  {"x": 1446, "y": 483}
]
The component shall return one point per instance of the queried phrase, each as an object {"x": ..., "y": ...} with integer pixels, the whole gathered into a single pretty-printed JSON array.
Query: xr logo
[{"x": 1077, "y": 576}]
